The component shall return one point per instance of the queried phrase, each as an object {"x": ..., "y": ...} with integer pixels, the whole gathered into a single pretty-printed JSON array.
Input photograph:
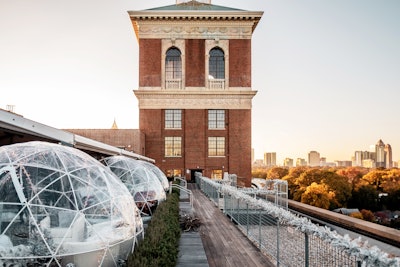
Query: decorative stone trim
[{"x": 194, "y": 100}]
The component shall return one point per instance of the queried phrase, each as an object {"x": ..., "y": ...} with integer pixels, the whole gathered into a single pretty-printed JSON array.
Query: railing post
[
  {"x": 259, "y": 230},
  {"x": 247, "y": 224},
  {"x": 306, "y": 250},
  {"x": 277, "y": 242}
]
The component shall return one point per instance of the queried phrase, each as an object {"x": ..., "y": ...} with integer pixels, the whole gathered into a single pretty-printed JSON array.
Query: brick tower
[{"x": 195, "y": 93}]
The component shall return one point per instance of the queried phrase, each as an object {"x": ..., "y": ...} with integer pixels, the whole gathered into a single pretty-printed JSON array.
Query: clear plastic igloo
[
  {"x": 160, "y": 175},
  {"x": 61, "y": 207},
  {"x": 143, "y": 184}
]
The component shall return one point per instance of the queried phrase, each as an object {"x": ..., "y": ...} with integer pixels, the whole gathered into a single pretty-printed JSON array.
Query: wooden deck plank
[{"x": 224, "y": 243}]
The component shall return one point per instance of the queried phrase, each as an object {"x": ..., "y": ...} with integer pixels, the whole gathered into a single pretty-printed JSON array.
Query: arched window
[
  {"x": 173, "y": 64},
  {"x": 216, "y": 64}
]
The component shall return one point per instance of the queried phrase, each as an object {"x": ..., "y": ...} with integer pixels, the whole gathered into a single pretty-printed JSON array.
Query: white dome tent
[
  {"x": 143, "y": 184},
  {"x": 160, "y": 175},
  {"x": 61, "y": 207}
]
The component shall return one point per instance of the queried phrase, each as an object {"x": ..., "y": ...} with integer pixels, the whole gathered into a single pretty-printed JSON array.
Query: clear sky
[{"x": 327, "y": 72}]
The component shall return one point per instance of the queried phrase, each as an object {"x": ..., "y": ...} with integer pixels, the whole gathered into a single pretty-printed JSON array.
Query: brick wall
[
  {"x": 129, "y": 139},
  {"x": 240, "y": 63},
  {"x": 195, "y": 56},
  {"x": 240, "y": 144},
  {"x": 150, "y": 62}
]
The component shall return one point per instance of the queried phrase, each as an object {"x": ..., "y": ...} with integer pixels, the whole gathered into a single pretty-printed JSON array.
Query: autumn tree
[
  {"x": 374, "y": 178},
  {"x": 259, "y": 173},
  {"x": 338, "y": 188},
  {"x": 291, "y": 177},
  {"x": 317, "y": 195},
  {"x": 390, "y": 181},
  {"x": 367, "y": 215},
  {"x": 353, "y": 174},
  {"x": 277, "y": 173}
]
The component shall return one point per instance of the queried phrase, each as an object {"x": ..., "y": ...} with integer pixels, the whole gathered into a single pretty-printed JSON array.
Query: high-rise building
[
  {"x": 388, "y": 156},
  {"x": 301, "y": 162},
  {"x": 380, "y": 154},
  {"x": 288, "y": 162},
  {"x": 313, "y": 159},
  {"x": 195, "y": 93},
  {"x": 270, "y": 159}
]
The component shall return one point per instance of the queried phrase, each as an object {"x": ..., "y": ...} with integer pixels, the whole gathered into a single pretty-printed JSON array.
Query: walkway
[{"x": 223, "y": 243}]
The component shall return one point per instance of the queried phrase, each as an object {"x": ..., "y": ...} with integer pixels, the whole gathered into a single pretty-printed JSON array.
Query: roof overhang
[
  {"x": 194, "y": 15},
  {"x": 15, "y": 123}
]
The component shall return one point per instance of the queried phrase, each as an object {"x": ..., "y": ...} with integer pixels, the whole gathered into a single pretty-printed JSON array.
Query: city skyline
[
  {"x": 326, "y": 72},
  {"x": 280, "y": 160}
]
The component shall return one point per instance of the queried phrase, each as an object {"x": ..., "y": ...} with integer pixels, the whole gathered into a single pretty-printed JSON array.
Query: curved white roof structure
[
  {"x": 160, "y": 175},
  {"x": 142, "y": 183},
  {"x": 60, "y": 206}
]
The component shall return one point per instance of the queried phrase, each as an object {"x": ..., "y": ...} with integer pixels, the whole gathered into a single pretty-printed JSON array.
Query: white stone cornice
[
  {"x": 228, "y": 24},
  {"x": 194, "y": 30},
  {"x": 195, "y": 15},
  {"x": 194, "y": 100}
]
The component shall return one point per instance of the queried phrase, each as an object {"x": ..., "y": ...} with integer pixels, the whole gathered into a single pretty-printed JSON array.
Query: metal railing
[
  {"x": 182, "y": 181},
  {"x": 185, "y": 190},
  {"x": 288, "y": 239}
]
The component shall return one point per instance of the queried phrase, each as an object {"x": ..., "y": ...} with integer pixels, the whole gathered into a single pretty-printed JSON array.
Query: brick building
[{"x": 195, "y": 93}]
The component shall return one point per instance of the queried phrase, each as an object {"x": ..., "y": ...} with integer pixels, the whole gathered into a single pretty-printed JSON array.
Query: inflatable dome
[
  {"x": 143, "y": 184},
  {"x": 160, "y": 175},
  {"x": 61, "y": 207}
]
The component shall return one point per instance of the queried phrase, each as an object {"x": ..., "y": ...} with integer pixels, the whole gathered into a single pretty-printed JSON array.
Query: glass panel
[
  {"x": 173, "y": 64},
  {"x": 216, "y": 146},
  {"x": 217, "y": 64},
  {"x": 173, "y": 146},
  {"x": 216, "y": 119},
  {"x": 173, "y": 119}
]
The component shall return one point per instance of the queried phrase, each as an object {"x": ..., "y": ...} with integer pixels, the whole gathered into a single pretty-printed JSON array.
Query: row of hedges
[{"x": 161, "y": 242}]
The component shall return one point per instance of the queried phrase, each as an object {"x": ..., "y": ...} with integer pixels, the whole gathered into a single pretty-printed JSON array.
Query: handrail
[
  {"x": 189, "y": 192},
  {"x": 182, "y": 180}
]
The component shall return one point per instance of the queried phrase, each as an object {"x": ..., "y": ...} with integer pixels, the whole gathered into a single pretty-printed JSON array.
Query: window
[
  {"x": 173, "y": 146},
  {"x": 173, "y": 119},
  {"x": 216, "y": 119},
  {"x": 173, "y": 69},
  {"x": 216, "y": 146},
  {"x": 217, "y": 64},
  {"x": 216, "y": 174},
  {"x": 174, "y": 173}
]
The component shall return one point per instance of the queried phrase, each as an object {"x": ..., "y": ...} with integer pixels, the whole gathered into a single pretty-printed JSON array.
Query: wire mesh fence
[{"x": 285, "y": 238}]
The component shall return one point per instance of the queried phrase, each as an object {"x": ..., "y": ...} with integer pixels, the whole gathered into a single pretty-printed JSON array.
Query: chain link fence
[{"x": 285, "y": 238}]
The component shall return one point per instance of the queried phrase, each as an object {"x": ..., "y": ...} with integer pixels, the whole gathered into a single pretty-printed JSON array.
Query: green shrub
[{"x": 161, "y": 242}]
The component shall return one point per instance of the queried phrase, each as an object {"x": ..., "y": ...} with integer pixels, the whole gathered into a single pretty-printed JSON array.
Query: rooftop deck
[{"x": 223, "y": 243}]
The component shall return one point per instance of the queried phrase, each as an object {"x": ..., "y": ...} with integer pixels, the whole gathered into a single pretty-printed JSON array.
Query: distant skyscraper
[
  {"x": 288, "y": 162},
  {"x": 359, "y": 156},
  {"x": 388, "y": 156},
  {"x": 301, "y": 162},
  {"x": 270, "y": 159},
  {"x": 313, "y": 159},
  {"x": 380, "y": 154}
]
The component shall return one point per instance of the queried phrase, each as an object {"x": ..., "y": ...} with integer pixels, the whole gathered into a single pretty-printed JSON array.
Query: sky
[{"x": 327, "y": 73}]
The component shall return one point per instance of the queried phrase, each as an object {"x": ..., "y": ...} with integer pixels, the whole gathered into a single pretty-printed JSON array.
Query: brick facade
[
  {"x": 240, "y": 63},
  {"x": 195, "y": 34},
  {"x": 195, "y": 51},
  {"x": 150, "y": 62},
  {"x": 132, "y": 140}
]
